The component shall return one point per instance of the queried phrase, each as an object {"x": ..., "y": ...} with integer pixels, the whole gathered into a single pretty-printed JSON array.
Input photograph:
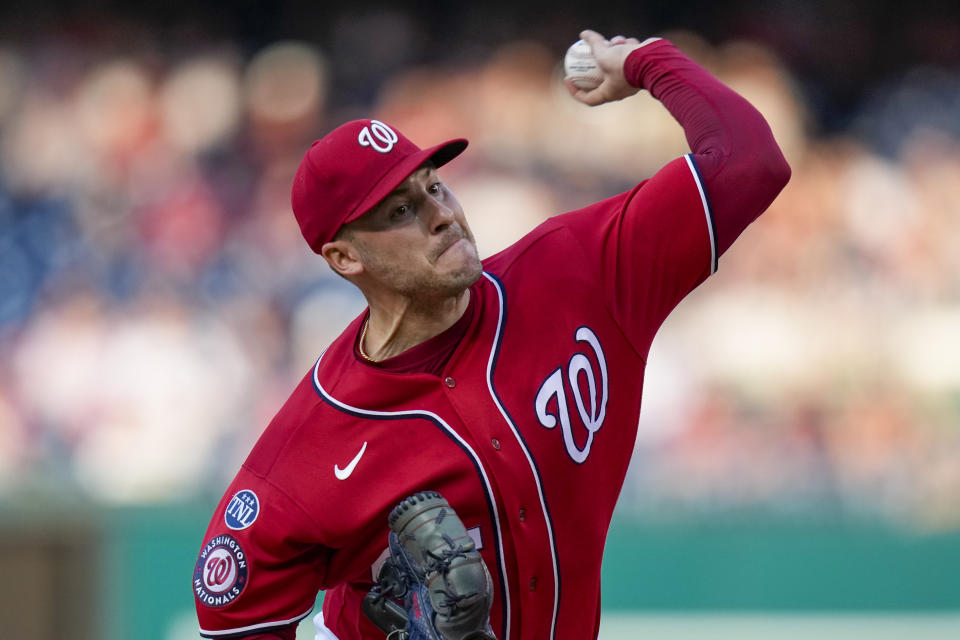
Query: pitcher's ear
[{"x": 342, "y": 257}]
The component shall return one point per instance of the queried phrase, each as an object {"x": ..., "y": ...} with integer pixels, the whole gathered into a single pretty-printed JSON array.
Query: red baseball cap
[{"x": 347, "y": 172}]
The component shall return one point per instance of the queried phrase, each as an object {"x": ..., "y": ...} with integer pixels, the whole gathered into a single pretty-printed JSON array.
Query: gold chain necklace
[{"x": 363, "y": 334}]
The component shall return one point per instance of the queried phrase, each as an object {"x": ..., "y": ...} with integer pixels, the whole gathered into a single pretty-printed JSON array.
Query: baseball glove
[{"x": 435, "y": 570}]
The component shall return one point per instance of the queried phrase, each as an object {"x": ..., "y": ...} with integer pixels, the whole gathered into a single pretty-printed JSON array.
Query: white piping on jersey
[
  {"x": 255, "y": 627},
  {"x": 420, "y": 413},
  {"x": 706, "y": 210},
  {"x": 533, "y": 469}
]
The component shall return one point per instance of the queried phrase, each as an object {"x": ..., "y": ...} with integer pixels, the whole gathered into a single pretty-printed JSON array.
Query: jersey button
[
  {"x": 523, "y": 514},
  {"x": 495, "y": 443},
  {"x": 450, "y": 382},
  {"x": 533, "y": 583}
]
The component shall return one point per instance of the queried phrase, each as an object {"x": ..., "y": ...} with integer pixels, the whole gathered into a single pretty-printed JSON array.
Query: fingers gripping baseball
[{"x": 610, "y": 56}]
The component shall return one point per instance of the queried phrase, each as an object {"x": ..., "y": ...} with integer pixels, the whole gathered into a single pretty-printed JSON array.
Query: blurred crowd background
[{"x": 158, "y": 304}]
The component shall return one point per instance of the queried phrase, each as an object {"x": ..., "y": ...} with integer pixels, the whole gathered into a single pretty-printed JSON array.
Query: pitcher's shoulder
[{"x": 549, "y": 233}]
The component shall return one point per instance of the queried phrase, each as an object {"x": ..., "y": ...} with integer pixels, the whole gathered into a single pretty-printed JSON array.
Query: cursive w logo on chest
[{"x": 593, "y": 411}]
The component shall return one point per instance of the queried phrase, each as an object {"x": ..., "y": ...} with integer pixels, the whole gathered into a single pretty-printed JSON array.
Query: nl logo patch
[
  {"x": 243, "y": 509},
  {"x": 221, "y": 572}
]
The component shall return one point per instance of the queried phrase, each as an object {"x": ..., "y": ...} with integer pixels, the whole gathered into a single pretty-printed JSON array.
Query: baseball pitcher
[{"x": 449, "y": 467}]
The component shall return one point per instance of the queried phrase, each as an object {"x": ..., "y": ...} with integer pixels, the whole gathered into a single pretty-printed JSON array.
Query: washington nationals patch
[{"x": 221, "y": 572}]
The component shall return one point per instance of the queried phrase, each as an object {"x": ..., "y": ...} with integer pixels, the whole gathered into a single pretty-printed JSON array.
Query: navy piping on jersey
[
  {"x": 239, "y": 632},
  {"x": 707, "y": 209},
  {"x": 460, "y": 442},
  {"x": 491, "y": 365}
]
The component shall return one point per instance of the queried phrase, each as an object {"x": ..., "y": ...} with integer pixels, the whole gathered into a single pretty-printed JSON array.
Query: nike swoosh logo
[{"x": 343, "y": 474}]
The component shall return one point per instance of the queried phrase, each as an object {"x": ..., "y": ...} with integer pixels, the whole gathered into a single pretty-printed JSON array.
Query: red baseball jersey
[{"x": 528, "y": 431}]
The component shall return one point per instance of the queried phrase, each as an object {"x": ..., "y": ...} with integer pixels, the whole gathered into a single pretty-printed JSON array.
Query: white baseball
[{"x": 581, "y": 67}]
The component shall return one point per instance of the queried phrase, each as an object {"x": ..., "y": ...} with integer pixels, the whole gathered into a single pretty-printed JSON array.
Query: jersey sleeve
[
  {"x": 260, "y": 568},
  {"x": 650, "y": 247},
  {"x": 740, "y": 169}
]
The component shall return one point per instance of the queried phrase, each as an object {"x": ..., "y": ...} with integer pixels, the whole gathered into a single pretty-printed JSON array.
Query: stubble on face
[{"x": 408, "y": 276}]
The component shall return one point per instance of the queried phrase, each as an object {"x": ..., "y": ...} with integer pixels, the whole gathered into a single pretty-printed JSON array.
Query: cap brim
[{"x": 439, "y": 154}]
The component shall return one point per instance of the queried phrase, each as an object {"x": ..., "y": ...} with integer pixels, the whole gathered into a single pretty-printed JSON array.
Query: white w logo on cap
[{"x": 378, "y": 133}]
